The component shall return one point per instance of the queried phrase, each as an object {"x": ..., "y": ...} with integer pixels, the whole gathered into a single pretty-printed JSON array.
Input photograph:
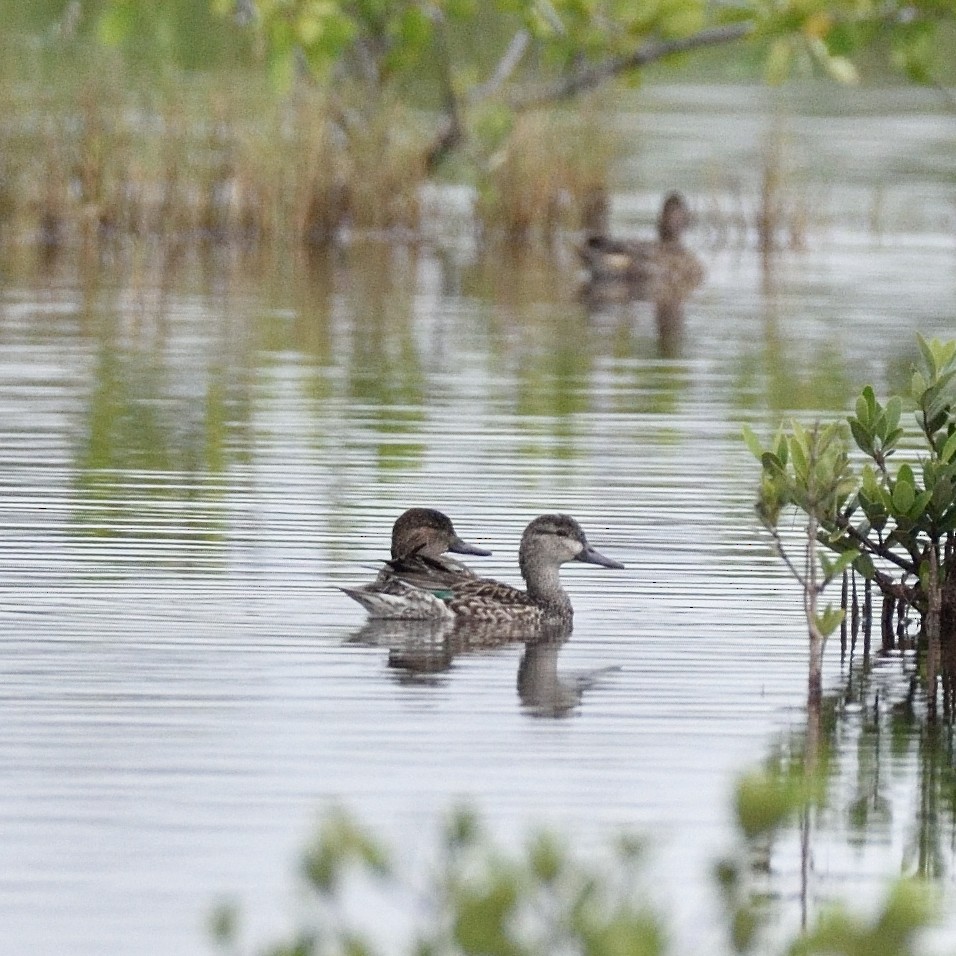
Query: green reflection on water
[
  {"x": 386, "y": 380},
  {"x": 889, "y": 782}
]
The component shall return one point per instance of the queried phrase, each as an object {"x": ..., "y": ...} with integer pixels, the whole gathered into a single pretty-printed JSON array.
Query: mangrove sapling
[
  {"x": 896, "y": 528},
  {"x": 808, "y": 469}
]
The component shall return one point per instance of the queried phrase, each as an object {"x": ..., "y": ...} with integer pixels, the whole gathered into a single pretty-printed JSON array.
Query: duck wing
[
  {"x": 610, "y": 259},
  {"x": 425, "y": 572},
  {"x": 485, "y": 599},
  {"x": 398, "y": 600}
]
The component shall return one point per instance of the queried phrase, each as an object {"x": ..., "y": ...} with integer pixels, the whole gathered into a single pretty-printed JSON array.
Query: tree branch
[
  {"x": 782, "y": 554},
  {"x": 450, "y": 129},
  {"x": 844, "y": 525},
  {"x": 508, "y": 63},
  {"x": 592, "y": 75}
]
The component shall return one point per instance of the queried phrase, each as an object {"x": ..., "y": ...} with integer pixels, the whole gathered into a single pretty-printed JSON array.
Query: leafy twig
[{"x": 592, "y": 75}]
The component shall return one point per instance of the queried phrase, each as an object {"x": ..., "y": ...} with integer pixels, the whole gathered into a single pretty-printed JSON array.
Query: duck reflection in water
[
  {"x": 663, "y": 271},
  {"x": 548, "y": 542},
  {"x": 419, "y": 652}
]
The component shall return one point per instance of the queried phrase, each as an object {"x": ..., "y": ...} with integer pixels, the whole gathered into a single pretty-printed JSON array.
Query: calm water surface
[{"x": 195, "y": 455}]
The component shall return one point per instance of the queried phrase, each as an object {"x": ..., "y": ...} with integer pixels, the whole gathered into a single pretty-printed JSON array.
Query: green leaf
[
  {"x": 829, "y": 620},
  {"x": 903, "y": 496},
  {"x": 764, "y": 803},
  {"x": 893, "y": 411},
  {"x": 949, "y": 448},
  {"x": 546, "y": 857},
  {"x": 929, "y": 359},
  {"x": 753, "y": 443},
  {"x": 116, "y": 23},
  {"x": 779, "y": 57},
  {"x": 800, "y": 434},
  {"x": 864, "y": 565},
  {"x": 890, "y": 441},
  {"x": 917, "y": 387},
  {"x": 935, "y": 398},
  {"x": 918, "y": 508},
  {"x": 782, "y": 449},
  {"x": 843, "y": 562},
  {"x": 947, "y": 522},
  {"x": 799, "y": 453},
  {"x": 415, "y": 27},
  {"x": 842, "y": 70},
  {"x": 462, "y": 829},
  {"x": 772, "y": 462},
  {"x": 483, "y": 913},
  {"x": 906, "y": 474},
  {"x": 861, "y": 436}
]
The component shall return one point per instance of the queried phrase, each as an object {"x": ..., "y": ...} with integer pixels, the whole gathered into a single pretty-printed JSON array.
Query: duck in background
[
  {"x": 548, "y": 542},
  {"x": 661, "y": 270}
]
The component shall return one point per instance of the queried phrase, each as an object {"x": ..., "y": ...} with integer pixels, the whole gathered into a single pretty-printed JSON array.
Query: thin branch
[
  {"x": 508, "y": 63},
  {"x": 861, "y": 539},
  {"x": 590, "y": 76},
  {"x": 450, "y": 129},
  {"x": 779, "y": 548}
]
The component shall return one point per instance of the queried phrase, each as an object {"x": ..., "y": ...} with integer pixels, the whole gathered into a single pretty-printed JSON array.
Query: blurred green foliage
[
  {"x": 544, "y": 898},
  {"x": 455, "y": 43}
]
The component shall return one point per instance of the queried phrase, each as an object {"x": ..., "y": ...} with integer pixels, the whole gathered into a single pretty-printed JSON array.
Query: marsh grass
[
  {"x": 543, "y": 177},
  {"x": 778, "y": 211},
  {"x": 89, "y": 153},
  {"x": 93, "y": 153}
]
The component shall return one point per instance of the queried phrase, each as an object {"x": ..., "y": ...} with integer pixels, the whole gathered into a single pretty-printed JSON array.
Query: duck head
[
  {"x": 429, "y": 533},
  {"x": 675, "y": 217},
  {"x": 552, "y": 540}
]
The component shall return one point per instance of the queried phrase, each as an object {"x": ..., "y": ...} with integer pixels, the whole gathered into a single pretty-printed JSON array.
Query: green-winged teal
[
  {"x": 660, "y": 270},
  {"x": 420, "y": 538},
  {"x": 547, "y": 543},
  {"x": 427, "y": 533}
]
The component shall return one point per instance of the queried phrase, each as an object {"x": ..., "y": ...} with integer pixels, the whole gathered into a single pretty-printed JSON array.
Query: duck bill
[
  {"x": 590, "y": 556},
  {"x": 463, "y": 547}
]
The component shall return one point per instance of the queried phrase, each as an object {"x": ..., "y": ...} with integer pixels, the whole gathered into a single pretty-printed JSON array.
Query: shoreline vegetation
[
  {"x": 295, "y": 123},
  {"x": 90, "y": 155},
  {"x": 95, "y": 152}
]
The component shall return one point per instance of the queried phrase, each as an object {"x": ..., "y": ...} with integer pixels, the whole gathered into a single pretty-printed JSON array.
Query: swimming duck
[
  {"x": 420, "y": 538},
  {"x": 427, "y": 533},
  {"x": 547, "y": 543},
  {"x": 660, "y": 270}
]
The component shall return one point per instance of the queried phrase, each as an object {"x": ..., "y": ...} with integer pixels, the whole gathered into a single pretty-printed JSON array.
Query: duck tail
[{"x": 409, "y": 603}]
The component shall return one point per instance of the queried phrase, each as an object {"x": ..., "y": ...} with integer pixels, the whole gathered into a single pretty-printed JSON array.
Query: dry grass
[
  {"x": 89, "y": 154},
  {"x": 544, "y": 177}
]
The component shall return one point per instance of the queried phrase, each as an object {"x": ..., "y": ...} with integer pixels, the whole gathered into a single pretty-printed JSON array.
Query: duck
[
  {"x": 428, "y": 533},
  {"x": 658, "y": 270},
  {"x": 420, "y": 539},
  {"x": 549, "y": 541}
]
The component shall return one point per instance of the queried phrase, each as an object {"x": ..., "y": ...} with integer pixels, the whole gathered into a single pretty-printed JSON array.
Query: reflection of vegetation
[
  {"x": 532, "y": 327},
  {"x": 778, "y": 378},
  {"x": 386, "y": 379},
  {"x": 172, "y": 430},
  {"x": 842, "y": 774}
]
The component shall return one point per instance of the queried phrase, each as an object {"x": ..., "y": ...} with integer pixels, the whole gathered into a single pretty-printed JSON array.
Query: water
[{"x": 196, "y": 454}]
